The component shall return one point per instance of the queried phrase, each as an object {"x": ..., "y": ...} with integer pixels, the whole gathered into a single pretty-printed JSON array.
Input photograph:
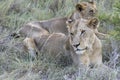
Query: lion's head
[
  {"x": 87, "y": 9},
  {"x": 81, "y": 34},
  {"x": 84, "y": 10}
]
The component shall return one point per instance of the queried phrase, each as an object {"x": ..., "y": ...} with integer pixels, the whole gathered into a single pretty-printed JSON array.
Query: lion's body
[
  {"x": 53, "y": 45},
  {"x": 93, "y": 57},
  {"x": 58, "y": 25},
  {"x": 51, "y": 25},
  {"x": 96, "y": 56},
  {"x": 32, "y": 30}
]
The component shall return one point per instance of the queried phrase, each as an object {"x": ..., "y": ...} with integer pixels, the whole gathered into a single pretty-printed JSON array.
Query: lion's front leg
[{"x": 31, "y": 47}]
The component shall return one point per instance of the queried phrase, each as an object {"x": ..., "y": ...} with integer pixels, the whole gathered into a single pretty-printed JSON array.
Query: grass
[{"x": 15, "y": 63}]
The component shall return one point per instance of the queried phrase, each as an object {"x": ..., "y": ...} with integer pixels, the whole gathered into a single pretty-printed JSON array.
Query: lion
[
  {"x": 85, "y": 42},
  {"x": 58, "y": 25}
]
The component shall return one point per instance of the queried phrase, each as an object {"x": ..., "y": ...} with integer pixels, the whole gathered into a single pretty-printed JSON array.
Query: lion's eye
[
  {"x": 82, "y": 31},
  {"x": 71, "y": 34},
  {"x": 70, "y": 20},
  {"x": 91, "y": 11}
]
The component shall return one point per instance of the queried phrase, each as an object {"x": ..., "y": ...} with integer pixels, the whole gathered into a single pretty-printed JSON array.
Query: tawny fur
[{"x": 54, "y": 45}]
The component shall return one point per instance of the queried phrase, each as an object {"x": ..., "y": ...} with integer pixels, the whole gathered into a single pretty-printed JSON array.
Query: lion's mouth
[{"x": 81, "y": 51}]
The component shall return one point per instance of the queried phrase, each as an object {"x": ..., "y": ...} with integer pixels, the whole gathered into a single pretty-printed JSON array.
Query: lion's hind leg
[{"x": 31, "y": 47}]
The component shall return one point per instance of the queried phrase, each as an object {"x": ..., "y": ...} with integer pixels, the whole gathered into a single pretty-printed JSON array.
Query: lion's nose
[
  {"x": 70, "y": 21},
  {"x": 76, "y": 45}
]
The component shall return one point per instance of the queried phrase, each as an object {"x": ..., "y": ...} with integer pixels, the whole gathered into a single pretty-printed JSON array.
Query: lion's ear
[
  {"x": 80, "y": 6},
  {"x": 93, "y": 23}
]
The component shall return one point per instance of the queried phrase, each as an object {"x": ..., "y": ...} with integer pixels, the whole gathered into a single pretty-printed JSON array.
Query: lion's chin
[{"x": 79, "y": 52}]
